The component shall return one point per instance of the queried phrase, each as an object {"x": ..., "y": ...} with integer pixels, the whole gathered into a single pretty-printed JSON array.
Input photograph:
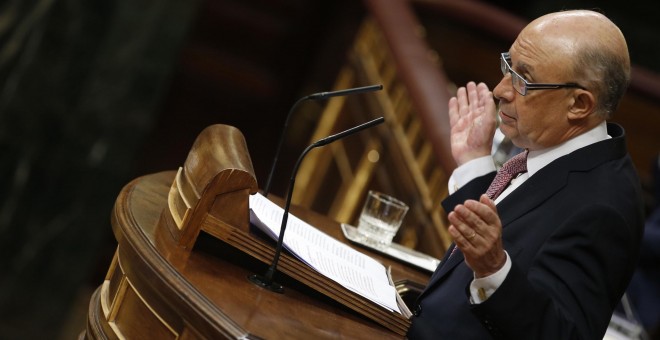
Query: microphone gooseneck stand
[{"x": 266, "y": 280}]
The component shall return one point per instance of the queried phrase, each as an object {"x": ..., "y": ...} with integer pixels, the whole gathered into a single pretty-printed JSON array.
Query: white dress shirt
[{"x": 482, "y": 288}]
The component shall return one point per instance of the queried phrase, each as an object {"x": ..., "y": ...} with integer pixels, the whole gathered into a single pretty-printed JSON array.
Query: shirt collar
[{"x": 537, "y": 159}]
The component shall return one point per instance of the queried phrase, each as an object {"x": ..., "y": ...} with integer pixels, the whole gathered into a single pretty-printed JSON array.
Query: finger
[
  {"x": 488, "y": 105},
  {"x": 464, "y": 233},
  {"x": 474, "y": 225},
  {"x": 486, "y": 99},
  {"x": 482, "y": 86},
  {"x": 482, "y": 89},
  {"x": 455, "y": 234},
  {"x": 484, "y": 210},
  {"x": 473, "y": 96},
  {"x": 461, "y": 241},
  {"x": 453, "y": 111},
  {"x": 487, "y": 201},
  {"x": 461, "y": 95}
]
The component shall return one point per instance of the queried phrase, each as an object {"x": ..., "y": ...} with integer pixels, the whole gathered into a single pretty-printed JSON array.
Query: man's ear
[{"x": 582, "y": 106}]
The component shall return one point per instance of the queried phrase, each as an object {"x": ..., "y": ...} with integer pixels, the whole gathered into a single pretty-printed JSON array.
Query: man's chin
[{"x": 508, "y": 129}]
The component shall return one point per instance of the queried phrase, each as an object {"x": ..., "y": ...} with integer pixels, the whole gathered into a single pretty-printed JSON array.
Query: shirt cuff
[
  {"x": 481, "y": 289},
  {"x": 469, "y": 171}
]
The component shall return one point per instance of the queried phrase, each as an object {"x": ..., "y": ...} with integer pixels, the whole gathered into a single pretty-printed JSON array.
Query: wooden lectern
[{"x": 185, "y": 251}]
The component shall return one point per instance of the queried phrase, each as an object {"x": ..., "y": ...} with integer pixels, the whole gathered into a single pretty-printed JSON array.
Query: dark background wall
[
  {"x": 80, "y": 82},
  {"x": 95, "y": 93}
]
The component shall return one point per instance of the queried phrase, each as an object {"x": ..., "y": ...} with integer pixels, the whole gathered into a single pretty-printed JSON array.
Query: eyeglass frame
[{"x": 505, "y": 67}]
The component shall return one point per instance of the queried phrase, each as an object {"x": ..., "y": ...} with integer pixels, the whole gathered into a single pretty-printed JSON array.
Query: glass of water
[{"x": 380, "y": 219}]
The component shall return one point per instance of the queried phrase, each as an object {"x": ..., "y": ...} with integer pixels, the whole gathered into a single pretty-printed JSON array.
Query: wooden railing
[{"x": 409, "y": 156}]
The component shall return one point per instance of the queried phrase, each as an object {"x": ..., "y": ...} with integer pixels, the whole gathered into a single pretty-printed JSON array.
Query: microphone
[
  {"x": 315, "y": 96},
  {"x": 266, "y": 280},
  {"x": 346, "y": 92}
]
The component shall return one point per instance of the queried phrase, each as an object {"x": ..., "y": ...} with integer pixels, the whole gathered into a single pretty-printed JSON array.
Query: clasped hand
[{"x": 475, "y": 226}]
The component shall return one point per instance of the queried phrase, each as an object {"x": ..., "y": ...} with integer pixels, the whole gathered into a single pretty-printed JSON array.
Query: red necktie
[{"x": 511, "y": 168}]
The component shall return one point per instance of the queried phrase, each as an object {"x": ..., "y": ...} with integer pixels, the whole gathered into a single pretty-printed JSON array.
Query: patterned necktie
[{"x": 511, "y": 168}]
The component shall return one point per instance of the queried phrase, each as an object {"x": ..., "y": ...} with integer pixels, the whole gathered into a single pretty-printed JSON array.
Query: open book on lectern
[{"x": 335, "y": 260}]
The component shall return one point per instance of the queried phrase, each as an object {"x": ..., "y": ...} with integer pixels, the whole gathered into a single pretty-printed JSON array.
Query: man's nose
[{"x": 504, "y": 89}]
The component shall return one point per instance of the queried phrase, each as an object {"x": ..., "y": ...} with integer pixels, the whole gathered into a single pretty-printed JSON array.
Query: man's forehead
[{"x": 542, "y": 46}]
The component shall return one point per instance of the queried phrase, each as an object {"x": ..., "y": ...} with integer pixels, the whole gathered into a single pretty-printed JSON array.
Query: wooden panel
[
  {"x": 113, "y": 280},
  {"x": 136, "y": 320}
]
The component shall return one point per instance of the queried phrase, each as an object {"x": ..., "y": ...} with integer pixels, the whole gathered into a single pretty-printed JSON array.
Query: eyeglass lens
[{"x": 517, "y": 82}]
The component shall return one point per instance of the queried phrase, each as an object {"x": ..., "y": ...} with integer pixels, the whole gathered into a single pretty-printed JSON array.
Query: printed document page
[{"x": 337, "y": 261}]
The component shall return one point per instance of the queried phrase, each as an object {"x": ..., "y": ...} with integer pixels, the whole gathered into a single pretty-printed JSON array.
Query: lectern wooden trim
[{"x": 215, "y": 180}]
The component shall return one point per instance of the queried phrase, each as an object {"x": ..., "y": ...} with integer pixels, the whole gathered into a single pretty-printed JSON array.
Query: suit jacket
[{"x": 572, "y": 231}]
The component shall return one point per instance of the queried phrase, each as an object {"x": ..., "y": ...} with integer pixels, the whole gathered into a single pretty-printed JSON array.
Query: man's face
[{"x": 539, "y": 119}]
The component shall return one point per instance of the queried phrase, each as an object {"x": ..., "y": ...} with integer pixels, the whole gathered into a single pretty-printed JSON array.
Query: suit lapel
[
  {"x": 447, "y": 264},
  {"x": 532, "y": 193},
  {"x": 553, "y": 177}
]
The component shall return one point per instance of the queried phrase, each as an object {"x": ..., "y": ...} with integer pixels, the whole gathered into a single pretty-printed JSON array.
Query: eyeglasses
[{"x": 521, "y": 85}]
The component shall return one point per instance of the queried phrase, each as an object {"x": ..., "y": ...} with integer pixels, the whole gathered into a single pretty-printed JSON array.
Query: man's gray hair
[{"x": 606, "y": 73}]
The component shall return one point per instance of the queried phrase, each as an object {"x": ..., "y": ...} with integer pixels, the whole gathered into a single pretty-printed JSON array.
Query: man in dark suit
[{"x": 551, "y": 255}]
